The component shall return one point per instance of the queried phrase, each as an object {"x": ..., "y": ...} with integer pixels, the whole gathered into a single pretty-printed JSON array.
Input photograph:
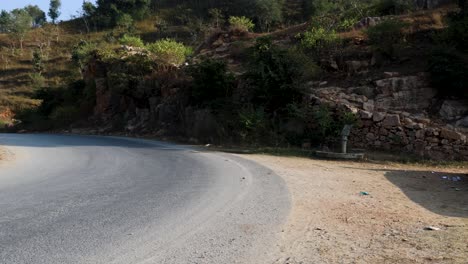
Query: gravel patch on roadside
[{"x": 345, "y": 212}]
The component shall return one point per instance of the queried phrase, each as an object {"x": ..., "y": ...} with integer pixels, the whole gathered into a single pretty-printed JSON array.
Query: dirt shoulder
[{"x": 332, "y": 222}]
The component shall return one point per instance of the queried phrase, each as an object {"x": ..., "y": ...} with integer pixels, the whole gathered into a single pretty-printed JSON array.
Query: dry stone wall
[{"x": 393, "y": 115}]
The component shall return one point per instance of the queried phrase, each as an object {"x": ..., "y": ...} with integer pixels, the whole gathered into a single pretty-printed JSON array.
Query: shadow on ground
[
  {"x": 435, "y": 191},
  {"x": 54, "y": 141}
]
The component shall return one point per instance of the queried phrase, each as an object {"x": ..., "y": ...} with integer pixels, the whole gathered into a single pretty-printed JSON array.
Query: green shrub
[
  {"x": 320, "y": 41},
  {"x": 318, "y": 37},
  {"x": 211, "y": 82},
  {"x": 240, "y": 24},
  {"x": 82, "y": 51},
  {"x": 448, "y": 71},
  {"x": 387, "y": 36},
  {"x": 278, "y": 75},
  {"x": 37, "y": 61},
  {"x": 131, "y": 41},
  {"x": 170, "y": 51},
  {"x": 324, "y": 119},
  {"x": 37, "y": 80},
  {"x": 255, "y": 125}
]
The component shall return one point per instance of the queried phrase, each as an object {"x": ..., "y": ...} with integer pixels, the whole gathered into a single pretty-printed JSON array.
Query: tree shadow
[
  {"x": 435, "y": 191},
  {"x": 56, "y": 141}
]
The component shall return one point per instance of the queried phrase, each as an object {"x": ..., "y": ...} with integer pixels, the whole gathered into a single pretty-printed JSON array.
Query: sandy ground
[
  {"x": 3, "y": 153},
  {"x": 332, "y": 222}
]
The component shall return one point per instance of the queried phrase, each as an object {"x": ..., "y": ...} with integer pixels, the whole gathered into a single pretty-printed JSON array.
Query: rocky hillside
[{"x": 295, "y": 86}]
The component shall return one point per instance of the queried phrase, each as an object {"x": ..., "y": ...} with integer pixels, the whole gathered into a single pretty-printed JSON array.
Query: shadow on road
[{"x": 54, "y": 141}]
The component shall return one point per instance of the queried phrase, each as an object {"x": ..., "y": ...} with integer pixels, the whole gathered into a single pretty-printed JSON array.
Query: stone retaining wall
[
  {"x": 394, "y": 115},
  {"x": 397, "y": 132}
]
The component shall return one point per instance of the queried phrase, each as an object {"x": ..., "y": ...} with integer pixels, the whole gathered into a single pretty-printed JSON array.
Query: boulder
[
  {"x": 452, "y": 135},
  {"x": 368, "y": 106},
  {"x": 462, "y": 122},
  {"x": 365, "y": 114},
  {"x": 453, "y": 109},
  {"x": 392, "y": 120},
  {"x": 379, "y": 116},
  {"x": 409, "y": 123}
]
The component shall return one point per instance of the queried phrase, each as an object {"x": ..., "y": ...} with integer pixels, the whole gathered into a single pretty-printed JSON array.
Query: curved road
[{"x": 86, "y": 199}]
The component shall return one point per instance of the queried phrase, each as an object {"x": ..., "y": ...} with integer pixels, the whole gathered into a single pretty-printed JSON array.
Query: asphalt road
[{"x": 86, "y": 199}]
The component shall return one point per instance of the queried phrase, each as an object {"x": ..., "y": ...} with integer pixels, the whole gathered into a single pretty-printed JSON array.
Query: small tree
[
  {"x": 216, "y": 16},
  {"x": 268, "y": 13},
  {"x": 21, "y": 24},
  {"x": 5, "y": 21},
  {"x": 88, "y": 14},
  {"x": 240, "y": 24},
  {"x": 37, "y": 61},
  {"x": 38, "y": 16},
  {"x": 124, "y": 21},
  {"x": 54, "y": 10}
]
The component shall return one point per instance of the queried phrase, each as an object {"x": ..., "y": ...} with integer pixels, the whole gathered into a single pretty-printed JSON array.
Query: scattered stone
[
  {"x": 391, "y": 121},
  {"x": 368, "y": 106},
  {"x": 379, "y": 116},
  {"x": 453, "y": 109},
  {"x": 431, "y": 228},
  {"x": 391, "y": 74},
  {"x": 365, "y": 114},
  {"x": 452, "y": 135}
]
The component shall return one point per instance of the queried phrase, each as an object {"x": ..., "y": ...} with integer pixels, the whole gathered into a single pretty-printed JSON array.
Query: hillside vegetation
[{"x": 233, "y": 70}]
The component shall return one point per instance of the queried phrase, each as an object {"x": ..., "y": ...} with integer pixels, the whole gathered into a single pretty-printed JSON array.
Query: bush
[
  {"x": 448, "y": 71},
  {"x": 320, "y": 41},
  {"x": 131, "y": 41},
  {"x": 81, "y": 52},
  {"x": 240, "y": 24},
  {"x": 317, "y": 37},
  {"x": 211, "y": 82},
  {"x": 170, "y": 51},
  {"x": 387, "y": 36},
  {"x": 278, "y": 75},
  {"x": 255, "y": 125},
  {"x": 37, "y": 80}
]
